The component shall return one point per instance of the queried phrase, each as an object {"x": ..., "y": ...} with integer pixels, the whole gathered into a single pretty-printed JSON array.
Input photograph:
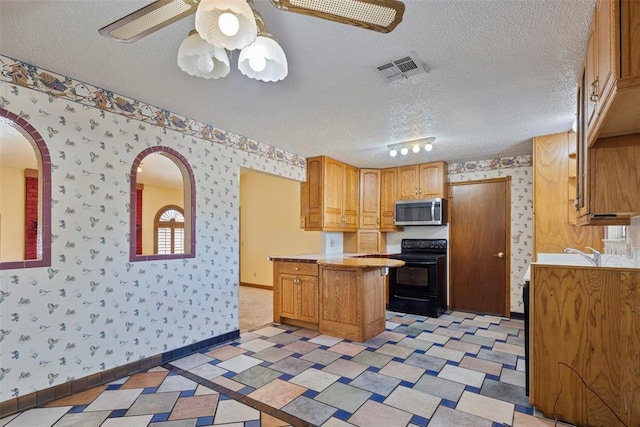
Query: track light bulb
[
  {"x": 415, "y": 148},
  {"x": 393, "y": 152},
  {"x": 229, "y": 24},
  {"x": 428, "y": 147},
  {"x": 404, "y": 151},
  {"x": 257, "y": 63}
]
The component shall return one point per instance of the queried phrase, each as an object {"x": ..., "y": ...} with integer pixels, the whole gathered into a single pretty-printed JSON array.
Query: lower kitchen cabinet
[
  {"x": 585, "y": 344},
  {"x": 295, "y": 293}
]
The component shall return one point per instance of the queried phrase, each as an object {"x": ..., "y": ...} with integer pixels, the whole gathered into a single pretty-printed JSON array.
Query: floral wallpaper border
[
  {"x": 56, "y": 85},
  {"x": 491, "y": 164}
]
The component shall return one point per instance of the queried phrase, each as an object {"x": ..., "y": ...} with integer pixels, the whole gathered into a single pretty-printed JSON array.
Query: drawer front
[{"x": 298, "y": 268}]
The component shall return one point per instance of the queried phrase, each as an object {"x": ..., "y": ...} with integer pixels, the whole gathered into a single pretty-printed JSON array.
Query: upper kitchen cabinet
[
  {"x": 388, "y": 178},
  {"x": 369, "y": 198},
  {"x": 613, "y": 177},
  {"x": 330, "y": 199},
  {"x": 611, "y": 83},
  {"x": 423, "y": 181}
]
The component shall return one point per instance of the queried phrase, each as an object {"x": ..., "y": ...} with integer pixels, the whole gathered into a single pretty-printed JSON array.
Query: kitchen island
[{"x": 341, "y": 296}]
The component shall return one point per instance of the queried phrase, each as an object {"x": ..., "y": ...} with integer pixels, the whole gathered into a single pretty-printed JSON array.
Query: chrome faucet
[{"x": 596, "y": 259}]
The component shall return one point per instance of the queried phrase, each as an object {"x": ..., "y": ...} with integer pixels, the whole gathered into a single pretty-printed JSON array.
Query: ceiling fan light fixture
[
  {"x": 198, "y": 58},
  {"x": 215, "y": 23},
  {"x": 263, "y": 60}
]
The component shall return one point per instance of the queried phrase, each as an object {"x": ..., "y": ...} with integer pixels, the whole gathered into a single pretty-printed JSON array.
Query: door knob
[{"x": 499, "y": 255}]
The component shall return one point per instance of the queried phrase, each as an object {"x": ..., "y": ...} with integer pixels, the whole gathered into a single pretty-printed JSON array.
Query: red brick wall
[
  {"x": 31, "y": 218},
  {"x": 139, "y": 221}
]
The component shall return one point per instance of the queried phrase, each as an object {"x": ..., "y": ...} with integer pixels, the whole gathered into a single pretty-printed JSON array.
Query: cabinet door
[
  {"x": 369, "y": 198},
  {"x": 407, "y": 187},
  {"x": 288, "y": 295},
  {"x": 605, "y": 49},
  {"x": 350, "y": 202},
  {"x": 388, "y": 199},
  {"x": 432, "y": 180},
  {"x": 308, "y": 299},
  {"x": 591, "y": 71},
  {"x": 334, "y": 184},
  {"x": 312, "y": 203}
]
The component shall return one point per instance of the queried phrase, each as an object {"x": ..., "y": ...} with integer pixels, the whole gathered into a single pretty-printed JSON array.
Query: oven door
[{"x": 414, "y": 279}]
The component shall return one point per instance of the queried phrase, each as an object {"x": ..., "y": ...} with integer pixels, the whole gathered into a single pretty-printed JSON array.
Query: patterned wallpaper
[
  {"x": 521, "y": 171},
  {"x": 93, "y": 309}
]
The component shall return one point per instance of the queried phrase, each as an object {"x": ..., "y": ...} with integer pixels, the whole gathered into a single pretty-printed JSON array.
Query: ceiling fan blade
[
  {"x": 377, "y": 15},
  {"x": 148, "y": 19}
]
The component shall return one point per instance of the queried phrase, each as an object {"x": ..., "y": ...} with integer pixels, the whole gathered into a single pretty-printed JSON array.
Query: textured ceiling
[{"x": 501, "y": 72}]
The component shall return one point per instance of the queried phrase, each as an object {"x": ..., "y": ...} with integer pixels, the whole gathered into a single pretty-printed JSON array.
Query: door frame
[{"x": 507, "y": 243}]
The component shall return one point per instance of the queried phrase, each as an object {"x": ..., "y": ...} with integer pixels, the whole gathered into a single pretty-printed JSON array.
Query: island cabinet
[
  {"x": 423, "y": 181},
  {"x": 295, "y": 293},
  {"x": 585, "y": 344},
  {"x": 352, "y": 301},
  {"x": 329, "y": 198}
]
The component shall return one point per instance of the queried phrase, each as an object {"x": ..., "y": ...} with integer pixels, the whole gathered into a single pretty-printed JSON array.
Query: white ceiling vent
[{"x": 404, "y": 67}]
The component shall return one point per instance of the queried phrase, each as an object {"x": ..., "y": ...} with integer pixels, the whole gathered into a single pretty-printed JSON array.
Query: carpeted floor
[{"x": 256, "y": 307}]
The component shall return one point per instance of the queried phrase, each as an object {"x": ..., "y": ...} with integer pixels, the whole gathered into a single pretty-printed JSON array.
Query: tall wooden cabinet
[
  {"x": 553, "y": 211},
  {"x": 330, "y": 199},
  {"x": 369, "y": 217},
  {"x": 422, "y": 181},
  {"x": 388, "y": 178}
]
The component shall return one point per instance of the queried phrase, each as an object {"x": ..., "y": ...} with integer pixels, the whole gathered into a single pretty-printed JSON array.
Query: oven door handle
[
  {"x": 418, "y": 263},
  {"x": 412, "y": 298}
]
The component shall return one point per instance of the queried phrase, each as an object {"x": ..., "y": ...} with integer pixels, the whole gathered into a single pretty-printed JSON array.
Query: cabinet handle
[
  {"x": 296, "y": 268},
  {"x": 416, "y": 192},
  {"x": 593, "y": 95}
]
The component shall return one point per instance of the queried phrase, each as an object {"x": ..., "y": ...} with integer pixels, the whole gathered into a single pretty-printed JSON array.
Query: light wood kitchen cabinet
[
  {"x": 369, "y": 216},
  {"x": 423, "y": 181},
  {"x": 553, "y": 193},
  {"x": 295, "y": 293},
  {"x": 388, "y": 178},
  {"x": 611, "y": 84},
  {"x": 613, "y": 177},
  {"x": 585, "y": 344},
  {"x": 330, "y": 200},
  {"x": 365, "y": 242}
]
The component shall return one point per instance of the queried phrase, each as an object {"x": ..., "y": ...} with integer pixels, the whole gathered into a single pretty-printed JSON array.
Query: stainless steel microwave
[{"x": 421, "y": 212}]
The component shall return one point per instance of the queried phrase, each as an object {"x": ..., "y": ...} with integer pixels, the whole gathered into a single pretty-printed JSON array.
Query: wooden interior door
[{"x": 479, "y": 247}]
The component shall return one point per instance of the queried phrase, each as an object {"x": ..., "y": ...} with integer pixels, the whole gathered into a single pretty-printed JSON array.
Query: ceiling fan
[
  {"x": 377, "y": 15},
  {"x": 232, "y": 24}
]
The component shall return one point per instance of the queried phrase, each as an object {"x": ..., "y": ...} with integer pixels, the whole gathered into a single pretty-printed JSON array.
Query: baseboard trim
[
  {"x": 518, "y": 316},
  {"x": 256, "y": 285},
  {"x": 42, "y": 397}
]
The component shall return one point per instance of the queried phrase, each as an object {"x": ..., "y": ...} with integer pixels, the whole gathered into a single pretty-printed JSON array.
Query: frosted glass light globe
[
  {"x": 428, "y": 147},
  {"x": 229, "y": 24},
  {"x": 393, "y": 152},
  {"x": 205, "y": 64},
  {"x": 404, "y": 151},
  {"x": 415, "y": 148},
  {"x": 257, "y": 63}
]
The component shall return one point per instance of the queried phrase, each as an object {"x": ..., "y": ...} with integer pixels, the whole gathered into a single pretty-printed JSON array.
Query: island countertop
[{"x": 316, "y": 258}]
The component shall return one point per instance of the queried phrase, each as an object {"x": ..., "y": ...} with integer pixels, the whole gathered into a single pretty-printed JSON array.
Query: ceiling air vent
[{"x": 405, "y": 67}]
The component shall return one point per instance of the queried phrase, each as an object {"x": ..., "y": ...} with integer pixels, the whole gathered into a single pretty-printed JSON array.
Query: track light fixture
[{"x": 414, "y": 145}]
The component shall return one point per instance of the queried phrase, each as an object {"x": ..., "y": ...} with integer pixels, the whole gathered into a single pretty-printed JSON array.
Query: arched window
[
  {"x": 25, "y": 224},
  {"x": 161, "y": 180},
  {"x": 169, "y": 230}
]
